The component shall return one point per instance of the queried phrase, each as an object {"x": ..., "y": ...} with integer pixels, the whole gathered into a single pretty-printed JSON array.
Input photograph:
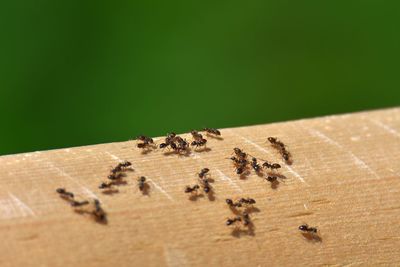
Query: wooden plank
[{"x": 345, "y": 179}]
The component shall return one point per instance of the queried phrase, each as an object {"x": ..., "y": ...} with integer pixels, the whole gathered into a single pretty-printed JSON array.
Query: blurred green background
[{"x": 85, "y": 72}]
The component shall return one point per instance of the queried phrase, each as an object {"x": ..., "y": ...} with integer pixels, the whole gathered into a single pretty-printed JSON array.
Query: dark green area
[{"x": 84, "y": 72}]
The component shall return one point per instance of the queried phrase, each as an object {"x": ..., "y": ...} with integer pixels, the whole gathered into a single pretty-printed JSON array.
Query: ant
[
  {"x": 281, "y": 147},
  {"x": 241, "y": 169},
  {"x": 305, "y": 228},
  {"x": 199, "y": 143},
  {"x": 192, "y": 189},
  {"x": 272, "y": 166},
  {"x": 238, "y": 162},
  {"x": 115, "y": 176},
  {"x": 163, "y": 145},
  {"x": 245, "y": 218},
  {"x": 232, "y": 204},
  {"x": 98, "y": 211},
  {"x": 65, "y": 194},
  {"x": 142, "y": 183},
  {"x": 196, "y": 135},
  {"x": 240, "y": 202},
  {"x": 247, "y": 201},
  {"x": 212, "y": 131},
  {"x": 271, "y": 179},
  {"x": 206, "y": 185},
  {"x": 106, "y": 185},
  {"x": 147, "y": 141},
  {"x": 255, "y": 165},
  {"x": 79, "y": 203},
  {"x": 239, "y": 153},
  {"x": 169, "y": 140},
  {"x": 182, "y": 144},
  {"x": 203, "y": 172},
  {"x": 122, "y": 166},
  {"x": 232, "y": 221}
]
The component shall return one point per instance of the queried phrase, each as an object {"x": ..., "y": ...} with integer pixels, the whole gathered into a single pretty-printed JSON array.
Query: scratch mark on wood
[
  {"x": 159, "y": 188},
  {"x": 386, "y": 127},
  {"x": 300, "y": 214},
  {"x": 356, "y": 160},
  {"x": 113, "y": 156},
  {"x": 83, "y": 188},
  {"x": 24, "y": 209},
  {"x": 175, "y": 257},
  {"x": 224, "y": 177}
]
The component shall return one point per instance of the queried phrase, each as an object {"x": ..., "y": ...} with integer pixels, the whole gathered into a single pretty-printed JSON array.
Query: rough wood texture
[{"x": 345, "y": 179}]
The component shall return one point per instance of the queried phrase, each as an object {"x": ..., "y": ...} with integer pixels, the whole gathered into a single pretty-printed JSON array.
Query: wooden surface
[{"x": 345, "y": 179}]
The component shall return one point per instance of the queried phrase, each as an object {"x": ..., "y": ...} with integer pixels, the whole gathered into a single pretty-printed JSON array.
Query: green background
[{"x": 85, "y": 72}]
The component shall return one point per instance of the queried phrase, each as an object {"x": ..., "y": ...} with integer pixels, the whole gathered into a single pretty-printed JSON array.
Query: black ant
[
  {"x": 245, "y": 218},
  {"x": 203, "y": 172},
  {"x": 122, "y": 166},
  {"x": 232, "y": 221},
  {"x": 142, "y": 183},
  {"x": 305, "y": 228},
  {"x": 247, "y": 201},
  {"x": 98, "y": 212},
  {"x": 281, "y": 147},
  {"x": 79, "y": 203},
  {"x": 206, "y": 186},
  {"x": 239, "y": 153},
  {"x": 169, "y": 140},
  {"x": 183, "y": 145},
  {"x": 65, "y": 194},
  {"x": 272, "y": 166},
  {"x": 191, "y": 189},
  {"x": 198, "y": 143},
  {"x": 212, "y": 131},
  {"x": 240, "y": 202},
  {"x": 271, "y": 179},
  {"x": 163, "y": 145},
  {"x": 196, "y": 135},
  {"x": 232, "y": 204},
  {"x": 106, "y": 185},
  {"x": 147, "y": 142},
  {"x": 255, "y": 165},
  {"x": 238, "y": 162},
  {"x": 115, "y": 176}
]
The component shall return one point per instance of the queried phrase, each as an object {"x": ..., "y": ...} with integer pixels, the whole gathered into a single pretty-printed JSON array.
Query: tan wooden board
[{"x": 345, "y": 179}]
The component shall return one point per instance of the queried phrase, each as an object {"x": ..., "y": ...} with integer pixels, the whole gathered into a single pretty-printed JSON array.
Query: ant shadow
[
  {"x": 211, "y": 195},
  {"x": 244, "y": 175},
  {"x": 195, "y": 197},
  {"x": 239, "y": 232},
  {"x": 248, "y": 210},
  {"x": 146, "y": 190},
  {"x": 215, "y": 137},
  {"x": 186, "y": 153},
  {"x": 260, "y": 174},
  {"x": 312, "y": 237},
  {"x": 103, "y": 220},
  {"x": 275, "y": 184},
  {"x": 147, "y": 151},
  {"x": 289, "y": 161},
  {"x": 205, "y": 149},
  {"x": 119, "y": 182},
  {"x": 110, "y": 192}
]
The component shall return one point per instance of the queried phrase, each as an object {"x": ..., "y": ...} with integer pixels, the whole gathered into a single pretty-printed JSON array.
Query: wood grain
[{"x": 345, "y": 179}]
